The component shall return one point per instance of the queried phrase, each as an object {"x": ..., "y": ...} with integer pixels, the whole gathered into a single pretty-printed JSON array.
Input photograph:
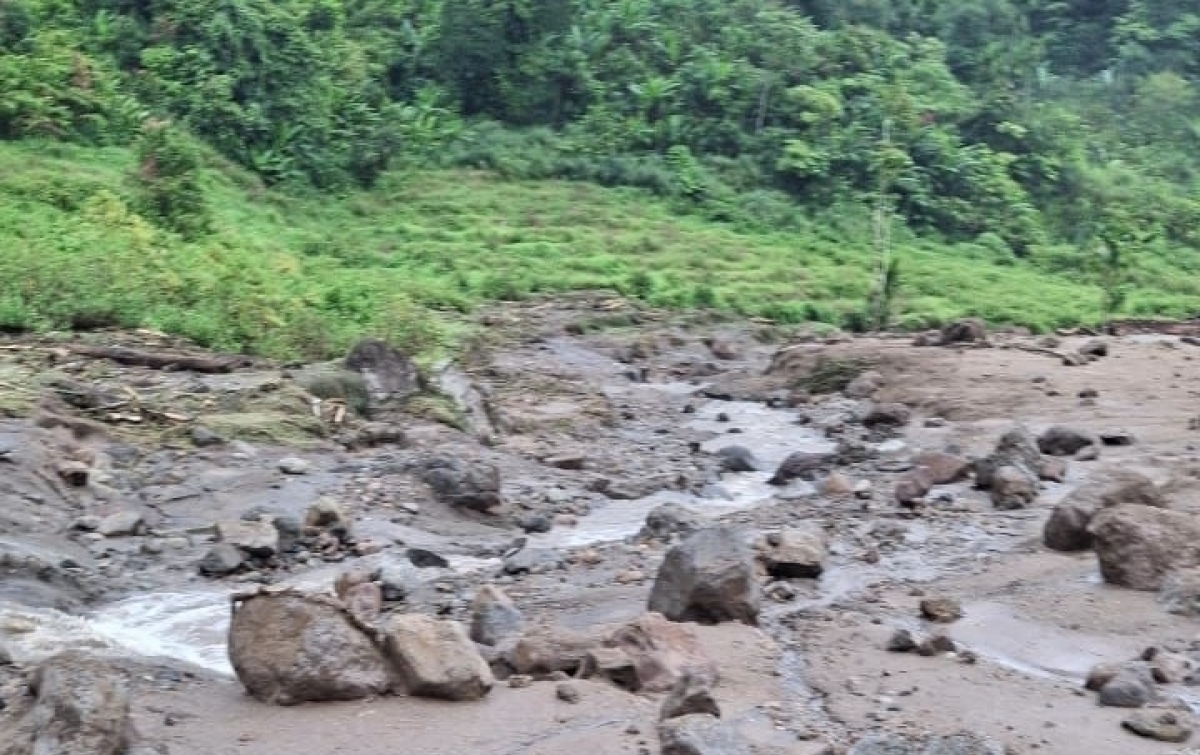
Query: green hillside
[{"x": 282, "y": 177}]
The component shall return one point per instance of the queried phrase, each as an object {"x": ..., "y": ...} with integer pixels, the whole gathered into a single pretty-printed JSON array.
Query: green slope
[{"x": 302, "y": 276}]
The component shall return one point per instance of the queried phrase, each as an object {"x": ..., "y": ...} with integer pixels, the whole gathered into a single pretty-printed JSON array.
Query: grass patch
[{"x": 304, "y": 276}]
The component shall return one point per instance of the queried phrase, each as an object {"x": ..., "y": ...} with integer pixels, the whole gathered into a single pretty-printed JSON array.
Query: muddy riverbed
[{"x": 591, "y": 430}]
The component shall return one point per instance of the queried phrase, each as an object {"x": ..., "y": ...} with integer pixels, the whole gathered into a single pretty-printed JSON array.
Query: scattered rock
[
  {"x": 290, "y": 648},
  {"x": 1100, "y": 675},
  {"x": 1137, "y": 546},
  {"x": 801, "y": 465},
  {"x": 1180, "y": 593},
  {"x": 1117, "y": 438},
  {"x": 613, "y": 665},
  {"x": 1012, "y": 488},
  {"x": 1053, "y": 470},
  {"x": 901, "y": 641},
  {"x": 121, "y": 523},
  {"x": 1064, "y": 441},
  {"x": 912, "y": 486},
  {"x": 662, "y": 652},
  {"x": 436, "y": 658},
  {"x": 221, "y": 559},
  {"x": 533, "y": 561},
  {"x": 389, "y": 375},
  {"x": 794, "y": 553},
  {"x": 397, "y": 579},
  {"x": 572, "y": 462},
  {"x": 971, "y": 330},
  {"x": 258, "y": 539},
  {"x": 708, "y": 578},
  {"x": 668, "y": 520},
  {"x": 495, "y": 619},
  {"x": 567, "y": 692},
  {"x": 865, "y": 385},
  {"x": 700, "y": 734},
  {"x": 943, "y": 468},
  {"x": 1163, "y": 727},
  {"x": 935, "y": 645},
  {"x": 837, "y": 485},
  {"x": 543, "y": 650},
  {"x": 294, "y": 466},
  {"x": 202, "y": 437},
  {"x": 1067, "y": 528},
  {"x": 534, "y": 523},
  {"x": 1130, "y": 687},
  {"x": 1016, "y": 448},
  {"x": 888, "y": 415},
  {"x": 426, "y": 559},
  {"x": 738, "y": 459},
  {"x": 328, "y": 514},
  {"x": 81, "y": 706},
  {"x": 472, "y": 485},
  {"x": 1094, "y": 348},
  {"x": 689, "y": 696},
  {"x": 941, "y": 610}
]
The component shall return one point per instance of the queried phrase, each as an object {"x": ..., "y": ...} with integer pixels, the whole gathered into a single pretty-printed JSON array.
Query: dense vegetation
[{"x": 283, "y": 174}]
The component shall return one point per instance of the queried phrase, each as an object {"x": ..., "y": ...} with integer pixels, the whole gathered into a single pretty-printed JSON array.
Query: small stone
[
  {"x": 202, "y": 437},
  {"x": 520, "y": 681},
  {"x": 294, "y": 466},
  {"x": 1012, "y": 488},
  {"x": 567, "y": 692},
  {"x": 1088, "y": 453},
  {"x": 837, "y": 485},
  {"x": 901, "y": 641},
  {"x": 941, "y": 610},
  {"x": 120, "y": 524},
  {"x": 221, "y": 559},
  {"x": 1117, "y": 438},
  {"x": 535, "y": 523}
]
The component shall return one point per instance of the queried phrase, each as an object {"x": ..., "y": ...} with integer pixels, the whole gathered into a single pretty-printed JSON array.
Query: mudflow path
[{"x": 590, "y": 431}]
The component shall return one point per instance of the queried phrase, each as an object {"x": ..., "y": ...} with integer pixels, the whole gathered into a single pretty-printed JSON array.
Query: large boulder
[
  {"x": 543, "y": 650},
  {"x": 662, "y": 653},
  {"x": 80, "y": 707},
  {"x": 795, "y": 552},
  {"x": 1067, "y": 529},
  {"x": 472, "y": 485},
  {"x": 289, "y": 648},
  {"x": 436, "y": 658},
  {"x": 708, "y": 578},
  {"x": 389, "y": 376},
  {"x": 1137, "y": 546}
]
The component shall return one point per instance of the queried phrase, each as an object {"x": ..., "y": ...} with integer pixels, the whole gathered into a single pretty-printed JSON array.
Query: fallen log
[{"x": 158, "y": 360}]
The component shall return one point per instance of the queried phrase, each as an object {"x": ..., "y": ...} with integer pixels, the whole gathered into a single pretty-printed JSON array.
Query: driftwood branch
[{"x": 160, "y": 360}]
